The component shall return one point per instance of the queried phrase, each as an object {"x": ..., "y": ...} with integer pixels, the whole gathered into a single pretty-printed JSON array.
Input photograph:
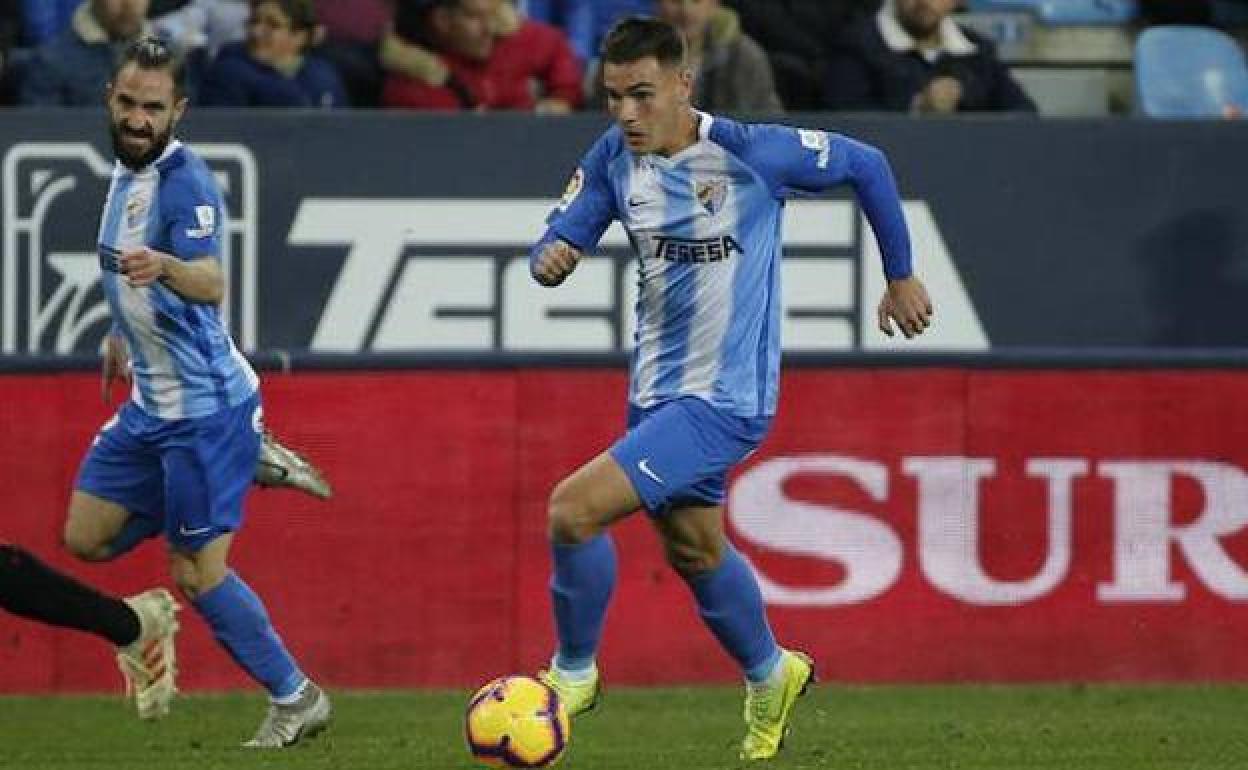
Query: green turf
[{"x": 1073, "y": 728}]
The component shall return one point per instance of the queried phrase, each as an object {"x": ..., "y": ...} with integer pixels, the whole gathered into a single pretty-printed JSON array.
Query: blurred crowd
[{"x": 762, "y": 56}]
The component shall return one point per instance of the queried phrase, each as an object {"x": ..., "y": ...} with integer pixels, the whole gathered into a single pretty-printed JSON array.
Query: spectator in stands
[
  {"x": 732, "y": 73},
  {"x": 353, "y": 34},
  {"x": 73, "y": 68},
  {"x": 585, "y": 22},
  {"x": 274, "y": 67},
  {"x": 43, "y": 20},
  {"x": 198, "y": 30},
  {"x": 204, "y": 24},
  {"x": 795, "y": 34},
  {"x": 485, "y": 56},
  {"x": 912, "y": 57}
]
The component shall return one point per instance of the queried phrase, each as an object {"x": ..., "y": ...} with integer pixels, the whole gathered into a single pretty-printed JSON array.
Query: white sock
[
  {"x": 579, "y": 675},
  {"x": 774, "y": 677},
  {"x": 293, "y": 698}
]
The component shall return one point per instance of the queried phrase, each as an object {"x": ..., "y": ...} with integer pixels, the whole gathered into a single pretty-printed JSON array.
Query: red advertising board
[{"x": 906, "y": 525}]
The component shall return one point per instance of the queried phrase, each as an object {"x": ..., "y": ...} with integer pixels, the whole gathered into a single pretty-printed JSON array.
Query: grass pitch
[{"x": 1072, "y": 728}]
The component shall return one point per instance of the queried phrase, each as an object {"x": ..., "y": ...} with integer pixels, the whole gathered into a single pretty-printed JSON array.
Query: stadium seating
[
  {"x": 1190, "y": 72},
  {"x": 1064, "y": 12}
]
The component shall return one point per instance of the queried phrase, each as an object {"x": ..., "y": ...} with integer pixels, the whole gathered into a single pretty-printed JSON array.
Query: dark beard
[
  {"x": 137, "y": 162},
  {"x": 917, "y": 31}
]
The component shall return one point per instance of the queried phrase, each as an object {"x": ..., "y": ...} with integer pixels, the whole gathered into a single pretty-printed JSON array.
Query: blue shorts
[
  {"x": 679, "y": 452},
  {"x": 189, "y": 477}
]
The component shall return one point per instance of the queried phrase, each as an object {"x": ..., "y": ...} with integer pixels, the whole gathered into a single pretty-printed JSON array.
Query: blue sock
[
  {"x": 134, "y": 531},
  {"x": 580, "y": 588},
  {"x": 241, "y": 624},
  {"x": 732, "y": 607}
]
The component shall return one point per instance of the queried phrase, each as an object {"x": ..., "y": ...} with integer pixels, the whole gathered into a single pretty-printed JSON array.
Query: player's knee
[
  {"x": 192, "y": 578},
  {"x": 569, "y": 519},
  {"x": 186, "y": 578},
  {"x": 84, "y": 545},
  {"x": 693, "y": 559}
]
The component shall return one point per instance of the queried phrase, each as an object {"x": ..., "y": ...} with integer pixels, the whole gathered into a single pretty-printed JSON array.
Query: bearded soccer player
[
  {"x": 701, "y": 197},
  {"x": 180, "y": 455}
]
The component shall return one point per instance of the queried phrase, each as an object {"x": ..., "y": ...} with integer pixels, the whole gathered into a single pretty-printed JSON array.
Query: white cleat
[
  {"x": 280, "y": 466},
  {"x": 150, "y": 663},
  {"x": 285, "y": 726}
]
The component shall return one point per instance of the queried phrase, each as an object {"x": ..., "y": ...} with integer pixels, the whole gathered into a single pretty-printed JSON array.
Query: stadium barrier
[
  {"x": 1047, "y": 487},
  {"x": 935, "y": 524},
  {"x": 375, "y": 233}
]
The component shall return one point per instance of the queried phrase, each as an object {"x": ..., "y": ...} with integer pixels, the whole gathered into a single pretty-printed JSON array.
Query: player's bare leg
[
  {"x": 298, "y": 708},
  {"x": 731, "y": 605},
  {"x": 582, "y": 507},
  {"x": 586, "y": 503},
  {"x": 92, "y": 525}
]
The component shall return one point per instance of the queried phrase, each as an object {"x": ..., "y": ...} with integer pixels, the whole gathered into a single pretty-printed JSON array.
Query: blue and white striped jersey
[
  {"x": 185, "y": 364},
  {"x": 706, "y": 224}
]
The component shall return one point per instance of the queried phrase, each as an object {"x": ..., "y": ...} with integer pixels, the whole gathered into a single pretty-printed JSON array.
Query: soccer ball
[{"x": 516, "y": 721}]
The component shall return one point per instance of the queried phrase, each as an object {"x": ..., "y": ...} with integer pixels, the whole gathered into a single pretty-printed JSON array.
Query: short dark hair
[
  {"x": 302, "y": 13},
  {"x": 152, "y": 53},
  {"x": 638, "y": 37}
]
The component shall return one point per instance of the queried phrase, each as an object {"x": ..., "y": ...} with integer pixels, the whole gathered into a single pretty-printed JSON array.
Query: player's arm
[
  {"x": 576, "y": 224},
  {"x": 553, "y": 259},
  {"x": 195, "y": 280},
  {"x": 816, "y": 161},
  {"x": 905, "y": 301},
  {"x": 191, "y": 212}
]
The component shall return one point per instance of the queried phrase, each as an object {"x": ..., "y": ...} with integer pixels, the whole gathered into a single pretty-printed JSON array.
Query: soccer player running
[
  {"x": 701, "y": 198},
  {"x": 180, "y": 455}
]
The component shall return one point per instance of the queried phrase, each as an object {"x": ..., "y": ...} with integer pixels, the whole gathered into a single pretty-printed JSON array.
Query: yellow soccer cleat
[
  {"x": 768, "y": 706},
  {"x": 577, "y": 695}
]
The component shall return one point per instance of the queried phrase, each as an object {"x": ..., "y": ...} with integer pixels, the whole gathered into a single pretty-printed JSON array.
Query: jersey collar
[
  {"x": 170, "y": 150},
  {"x": 704, "y": 133}
]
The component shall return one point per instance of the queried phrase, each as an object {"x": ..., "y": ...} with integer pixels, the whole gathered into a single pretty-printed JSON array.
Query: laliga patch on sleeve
[
  {"x": 815, "y": 141},
  {"x": 573, "y": 189},
  {"x": 206, "y": 216}
]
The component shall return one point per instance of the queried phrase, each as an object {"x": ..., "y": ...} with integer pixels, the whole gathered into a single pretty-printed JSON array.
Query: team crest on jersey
[
  {"x": 711, "y": 194},
  {"x": 136, "y": 209},
  {"x": 573, "y": 189}
]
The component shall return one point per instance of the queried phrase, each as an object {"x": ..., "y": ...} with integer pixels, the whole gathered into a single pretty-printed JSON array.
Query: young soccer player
[{"x": 701, "y": 197}]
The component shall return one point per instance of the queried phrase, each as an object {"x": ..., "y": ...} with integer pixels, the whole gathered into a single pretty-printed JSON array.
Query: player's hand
[
  {"x": 116, "y": 365},
  {"x": 905, "y": 302},
  {"x": 942, "y": 94},
  {"x": 552, "y": 106},
  {"x": 555, "y": 263},
  {"x": 142, "y": 267}
]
